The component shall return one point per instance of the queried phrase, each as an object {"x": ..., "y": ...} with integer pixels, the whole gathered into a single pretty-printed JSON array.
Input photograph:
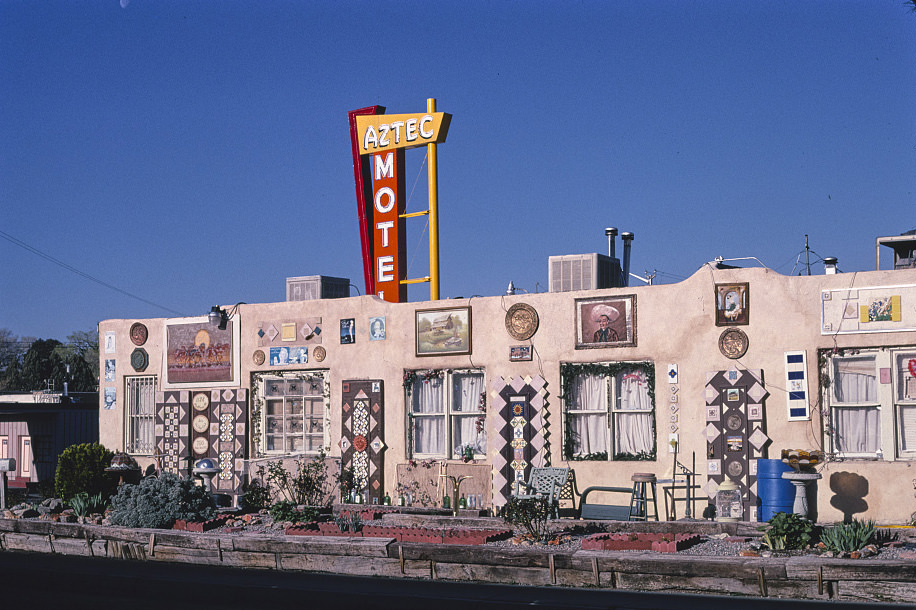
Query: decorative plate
[
  {"x": 521, "y": 321},
  {"x": 139, "y": 359},
  {"x": 319, "y": 353},
  {"x": 735, "y": 469},
  {"x": 200, "y": 445},
  {"x": 201, "y": 401},
  {"x": 258, "y": 357},
  {"x": 138, "y": 333},
  {"x": 733, "y": 343},
  {"x": 200, "y": 423}
]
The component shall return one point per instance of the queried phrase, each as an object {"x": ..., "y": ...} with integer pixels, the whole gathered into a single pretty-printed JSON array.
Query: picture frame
[
  {"x": 733, "y": 304},
  {"x": 443, "y": 332},
  {"x": 378, "y": 330},
  {"x": 187, "y": 364},
  {"x": 606, "y": 322},
  {"x": 347, "y": 331},
  {"x": 519, "y": 353}
]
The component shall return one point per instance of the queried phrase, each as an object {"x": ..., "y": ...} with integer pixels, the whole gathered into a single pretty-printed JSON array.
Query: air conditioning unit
[
  {"x": 583, "y": 272},
  {"x": 313, "y": 287}
]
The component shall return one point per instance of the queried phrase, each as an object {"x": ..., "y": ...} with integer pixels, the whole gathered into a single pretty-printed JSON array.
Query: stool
[{"x": 639, "y": 499}]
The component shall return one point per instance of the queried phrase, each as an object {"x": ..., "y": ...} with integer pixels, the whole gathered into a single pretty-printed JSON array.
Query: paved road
[{"x": 68, "y": 583}]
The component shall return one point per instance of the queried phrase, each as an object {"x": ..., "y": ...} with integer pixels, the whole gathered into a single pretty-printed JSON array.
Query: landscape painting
[{"x": 444, "y": 331}]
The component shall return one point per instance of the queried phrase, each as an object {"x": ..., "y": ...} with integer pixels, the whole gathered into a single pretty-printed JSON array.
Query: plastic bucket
[{"x": 775, "y": 494}]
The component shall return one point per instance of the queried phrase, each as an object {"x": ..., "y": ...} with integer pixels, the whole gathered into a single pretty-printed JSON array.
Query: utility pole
[{"x": 807, "y": 258}]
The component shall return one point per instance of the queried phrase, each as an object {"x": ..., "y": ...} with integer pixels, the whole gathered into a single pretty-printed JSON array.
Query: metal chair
[{"x": 545, "y": 482}]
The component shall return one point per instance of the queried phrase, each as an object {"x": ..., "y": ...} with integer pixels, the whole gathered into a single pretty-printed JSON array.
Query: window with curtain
[
  {"x": 854, "y": 412},
  {"x": 905, "y": 406},
  {"x": 610, "y": 411},
  {"x": 445, "y": 414},
  {"x": 140, "y": 409},
  {"x": 294, "y": 413}
]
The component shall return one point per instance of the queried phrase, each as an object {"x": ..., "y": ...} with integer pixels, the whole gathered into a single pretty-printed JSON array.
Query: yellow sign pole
[{"x": 433, "y": 212}]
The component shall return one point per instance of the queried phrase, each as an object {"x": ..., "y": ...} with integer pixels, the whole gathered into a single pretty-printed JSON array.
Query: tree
[{"x": 45, "y": 365}]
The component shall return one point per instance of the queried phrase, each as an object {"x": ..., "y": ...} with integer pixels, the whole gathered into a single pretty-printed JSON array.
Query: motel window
[
  {"x": 872, "y": 396},
  {"x": 610, "y": 411},
  {"x": 446, "y": 415},
  {"x": 140, "y": 412},
  {"x": 294, "y": 413}
]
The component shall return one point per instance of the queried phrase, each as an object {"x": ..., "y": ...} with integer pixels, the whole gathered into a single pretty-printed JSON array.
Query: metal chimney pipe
[
  {"x": 830, "y": 265},
  {"x": 611, "y": 233},
  {"x": 627, "y": 238}
]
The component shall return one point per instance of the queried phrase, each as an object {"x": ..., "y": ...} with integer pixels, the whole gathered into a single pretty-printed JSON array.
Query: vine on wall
[{"x": 569, "y": 371}]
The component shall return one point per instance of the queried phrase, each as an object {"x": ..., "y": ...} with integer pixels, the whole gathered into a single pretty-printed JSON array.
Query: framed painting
[
  {"x": 733, "y": 306},
  {"x": 443, "y": 332},
  {"x": 606, "y": 322},
  {"x": 199, "y": 353},
  {"x": 519, "y": 353}
]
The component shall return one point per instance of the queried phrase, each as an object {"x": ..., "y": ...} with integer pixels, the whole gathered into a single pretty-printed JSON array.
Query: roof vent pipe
[
  {"x": 627, "y": 238},
  {"x": 611, "y": 233},
  {"x": 830, "y": 265}
]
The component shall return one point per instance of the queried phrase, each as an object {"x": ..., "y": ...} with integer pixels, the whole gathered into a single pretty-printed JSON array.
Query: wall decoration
[
  {"x": 733, "y": 304},
  {"x": 733, "y": 343},
  {"x": 319, "y": 353},
  {"x": 362, "y": 435},
  {"x": 797, "y": 384},
  {"x": 138, "y": 334},
  {"x": 109, "y": 369},
  {"x": 110, "y": 342},
  {"x": 258, "y": 357},
  {"x": 283, "y": 356},
  {"x": 868, "y": 310},
  {"x": 278, "y": 331},
  {"x": 288, "y": 332},
  {"x": 519, "y": 353},
  {"x": 139, "y": 359},
  {"x": 521, "y": 431},
  {"x": 606, "y": 322},
  {"x": 736, "y": 438},
  {"x": 111, "y": 398},
  {"x": 172, "y": 428},
  {"x": 377, "y": 329},
  {"x": 198, "y": 352},
  {"x": 347, "y": 331},
  {"x": 443, "y": 332},
  {"x": 521, "y": 321}
]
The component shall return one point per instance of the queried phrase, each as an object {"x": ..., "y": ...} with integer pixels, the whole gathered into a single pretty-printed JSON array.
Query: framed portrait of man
[{"x": 606, "y": 322}]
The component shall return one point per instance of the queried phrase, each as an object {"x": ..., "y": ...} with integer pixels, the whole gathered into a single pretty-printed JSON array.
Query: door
[{"x": 4, "y": 447}]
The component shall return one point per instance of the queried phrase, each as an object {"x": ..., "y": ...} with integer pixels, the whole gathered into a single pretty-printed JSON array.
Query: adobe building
[{"x": 726, "y": 367}]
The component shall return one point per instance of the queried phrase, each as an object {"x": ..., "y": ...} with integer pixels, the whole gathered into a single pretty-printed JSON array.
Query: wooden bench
[{"x": 610, "y": 512}]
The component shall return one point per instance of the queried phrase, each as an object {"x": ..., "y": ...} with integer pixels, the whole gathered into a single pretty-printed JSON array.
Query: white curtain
[
  {"x": 633, "y": 432},
  {"x": 466, "y": 390},
  {"x": 589, "y": 430},
  {"x": 428, "y": 408},
  {"x": 856, "y": 429},
  {"x": 854, "y": 380}
]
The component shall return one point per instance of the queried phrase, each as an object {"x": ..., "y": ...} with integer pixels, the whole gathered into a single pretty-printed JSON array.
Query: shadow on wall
[{"x": 849, "y": 491}]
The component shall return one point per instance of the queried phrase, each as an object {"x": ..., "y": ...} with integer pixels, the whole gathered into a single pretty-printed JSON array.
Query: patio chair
[{"x": 544, "y": 482}]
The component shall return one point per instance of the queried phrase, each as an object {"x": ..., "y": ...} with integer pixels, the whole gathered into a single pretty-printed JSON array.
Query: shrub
[
  {"x": 84, "y": 505},
  {"x": 308, "y": 485},
  {"x": 848, "y": 537},
  {"x": 81, "y": 468},
  {"x": 256, "y": 495},
  {"x": 285, "y": 510},
  {"x": 786, "y": 532},
  {"x": 159, "y": 501},
  {"x": 531, "y": 514}
]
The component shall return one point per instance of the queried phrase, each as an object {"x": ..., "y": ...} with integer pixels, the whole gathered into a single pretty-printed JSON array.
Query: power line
[{"x": 71, "y": 269}]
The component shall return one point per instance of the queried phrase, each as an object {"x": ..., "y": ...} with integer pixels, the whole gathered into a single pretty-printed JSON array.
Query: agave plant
[
  {"x": 84, "y": 505},
  {"x": 848, "y": 537}
]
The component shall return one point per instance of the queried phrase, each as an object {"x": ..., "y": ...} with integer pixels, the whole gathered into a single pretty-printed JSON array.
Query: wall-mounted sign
[{"x": 383, "y": 132}]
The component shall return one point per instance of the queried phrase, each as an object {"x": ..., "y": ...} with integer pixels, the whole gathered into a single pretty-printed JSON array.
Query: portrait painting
[
  {"x": 606, "y": 322},
  {"x": 109, "y": 370},
  {"x": 111, "y": 398},
  {"x": 199, "y": 352},
  {"x": 443, "y": 332},
  {"x": 377, "y": 329},
  {"x": 733, "y": 304}
]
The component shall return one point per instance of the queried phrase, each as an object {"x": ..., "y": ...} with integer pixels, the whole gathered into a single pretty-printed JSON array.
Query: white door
[{"x": 25, "y": 456}]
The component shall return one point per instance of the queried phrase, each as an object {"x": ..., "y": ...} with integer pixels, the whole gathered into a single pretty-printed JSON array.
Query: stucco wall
[{"x": 675, "y": 324}]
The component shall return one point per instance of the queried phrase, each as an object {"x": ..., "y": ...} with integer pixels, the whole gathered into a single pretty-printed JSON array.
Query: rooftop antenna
[{"x": 807, "y": 258}]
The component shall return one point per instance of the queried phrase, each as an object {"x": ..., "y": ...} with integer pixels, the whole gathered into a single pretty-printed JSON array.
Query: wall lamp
[{"x": 219, "y": 317}]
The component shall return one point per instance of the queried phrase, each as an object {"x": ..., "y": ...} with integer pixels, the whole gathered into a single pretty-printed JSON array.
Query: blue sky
[{"x": 193, "y": 152}]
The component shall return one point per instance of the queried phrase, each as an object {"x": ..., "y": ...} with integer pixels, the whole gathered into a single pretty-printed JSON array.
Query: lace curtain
[
  {"x": 856, "y": 429},
  {"x": 428, "y": 409},
  {"x": 633, "y": 432},
  {"x": 589, "y": 430},
  {"x": 466, "y": 390}
]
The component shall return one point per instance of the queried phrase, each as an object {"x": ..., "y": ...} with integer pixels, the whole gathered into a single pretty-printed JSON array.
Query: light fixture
[{"x": 219, "y": 317}]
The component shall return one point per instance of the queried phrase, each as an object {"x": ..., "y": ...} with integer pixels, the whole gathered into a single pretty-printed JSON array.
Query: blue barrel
[{"x": 775, "y": 494}]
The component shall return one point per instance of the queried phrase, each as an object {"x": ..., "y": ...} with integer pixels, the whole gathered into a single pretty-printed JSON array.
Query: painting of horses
[{"x": 199, "y": 353}]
